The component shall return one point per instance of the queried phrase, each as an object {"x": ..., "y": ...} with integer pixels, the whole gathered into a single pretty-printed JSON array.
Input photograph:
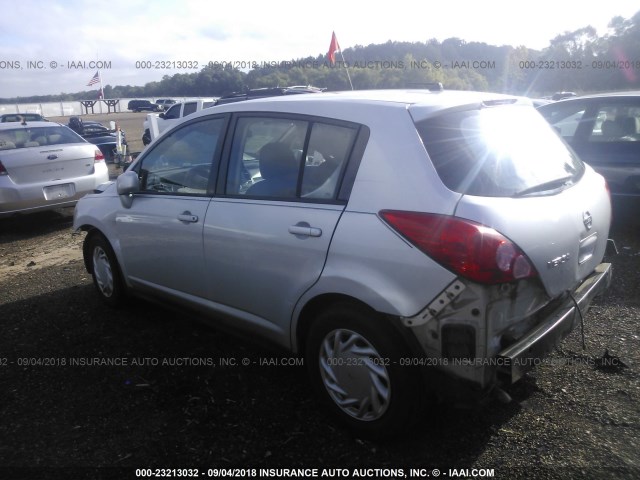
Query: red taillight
[
  {"x": 3, "y": 171},
  {"x": 98, "y": 156},
  {"x": 469, "y": 249}
]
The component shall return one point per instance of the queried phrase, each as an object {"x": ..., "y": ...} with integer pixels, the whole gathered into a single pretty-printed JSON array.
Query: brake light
[
  {"x": 98, "y": 156},
  {"x": 3, "y": 171},
  {"x": 469, "y": 249}
]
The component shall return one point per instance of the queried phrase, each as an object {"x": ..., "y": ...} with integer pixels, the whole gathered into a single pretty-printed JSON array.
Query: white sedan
[{"x": 45, "y": 165}]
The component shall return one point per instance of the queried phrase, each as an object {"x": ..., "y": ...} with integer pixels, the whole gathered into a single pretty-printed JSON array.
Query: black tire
[
  {"x": 352, "y": 350},
  {"x": 105, "y": 271},
  {"x": 146, "y": 137}
]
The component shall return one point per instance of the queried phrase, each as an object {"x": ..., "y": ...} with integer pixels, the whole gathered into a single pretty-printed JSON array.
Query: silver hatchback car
[
  {"x": 45, "y": 165},
  {"x": 409, "y": 244}
]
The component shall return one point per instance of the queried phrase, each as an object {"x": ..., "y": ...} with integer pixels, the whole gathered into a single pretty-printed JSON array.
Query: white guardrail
[{"x": 68, "y": 109}]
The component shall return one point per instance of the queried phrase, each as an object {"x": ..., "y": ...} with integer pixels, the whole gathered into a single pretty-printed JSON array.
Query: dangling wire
[{"x": 575, "y": 302}]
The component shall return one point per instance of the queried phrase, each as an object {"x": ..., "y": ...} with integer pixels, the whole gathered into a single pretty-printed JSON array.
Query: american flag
[{"x": 95, "y": 79}]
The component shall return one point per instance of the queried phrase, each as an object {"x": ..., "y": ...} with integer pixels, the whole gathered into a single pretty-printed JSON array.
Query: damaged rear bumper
[{"x": 520, "y": 357}]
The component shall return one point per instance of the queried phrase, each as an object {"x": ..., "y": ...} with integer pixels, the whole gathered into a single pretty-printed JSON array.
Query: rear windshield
[
  {"x": 25, "y": 137},
  {"x": 498, "y": 152},
  {"x": 19, "y": 117}
]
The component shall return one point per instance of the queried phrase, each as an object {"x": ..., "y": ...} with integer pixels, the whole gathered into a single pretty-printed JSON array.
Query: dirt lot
[{"x": 179, "y": 394}]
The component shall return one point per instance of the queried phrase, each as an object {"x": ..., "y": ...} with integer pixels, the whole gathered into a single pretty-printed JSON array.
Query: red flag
[{"x": 333, "y": 47}]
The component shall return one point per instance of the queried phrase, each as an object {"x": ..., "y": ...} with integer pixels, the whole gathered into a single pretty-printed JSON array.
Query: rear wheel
[
  {"x": 353, "y": 356},
  {"x": 105, "y": 271}
]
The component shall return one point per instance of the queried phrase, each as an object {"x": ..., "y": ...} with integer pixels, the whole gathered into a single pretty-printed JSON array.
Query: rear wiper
[{"x": 543, "y": 187}]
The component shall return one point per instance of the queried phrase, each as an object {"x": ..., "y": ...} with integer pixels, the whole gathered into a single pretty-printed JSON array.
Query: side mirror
[
  {"x": 126, "y": 185},
  {"x": 161, "y": 115}
]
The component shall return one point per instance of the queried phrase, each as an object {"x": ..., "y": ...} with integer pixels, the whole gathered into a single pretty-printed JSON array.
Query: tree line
[{"x": 580, "y": 61}]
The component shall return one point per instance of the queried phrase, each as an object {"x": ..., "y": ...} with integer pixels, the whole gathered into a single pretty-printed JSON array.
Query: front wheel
[
  {"x": 353, "y": 356},
  {"x": 105, "y": 271}
]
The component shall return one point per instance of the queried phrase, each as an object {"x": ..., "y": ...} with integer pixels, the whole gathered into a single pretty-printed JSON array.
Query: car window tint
[
  {"x": 189, "y": 108},
  {"x": 19, "y": 117},
  {"x": 266, "y": 157},
  {"x": 327, "y": 153},
  {"x": 616, "y": 122},
  {"x": 38, "y": 136},
  {"x": 565, "y": 118},
  {"x": 497, "y": 152},
  {"x": 173, "y": 112},
  {"x": 288, "y": 158},
  {"x": 181, "y": 163}
]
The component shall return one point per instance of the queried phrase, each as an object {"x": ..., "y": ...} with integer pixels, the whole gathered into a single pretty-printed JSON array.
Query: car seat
[{"x": 279, "y": 171}]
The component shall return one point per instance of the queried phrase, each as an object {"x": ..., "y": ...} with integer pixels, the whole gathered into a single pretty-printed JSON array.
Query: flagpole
[
  {"x": 99, "y": 76},
  {"x": 335, "y": 45},
  {"x": 346, "y": 67},
  {"x": 101, "y": 89}
]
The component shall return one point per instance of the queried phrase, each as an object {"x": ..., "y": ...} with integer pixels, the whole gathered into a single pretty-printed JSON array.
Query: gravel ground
[{"x": 164, "y": 406}]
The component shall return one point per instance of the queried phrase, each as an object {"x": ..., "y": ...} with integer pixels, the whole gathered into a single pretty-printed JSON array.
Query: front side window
[
  {"x": 173, "y": 112},
  {"x": 498, "y": 152},
  {"x": 182, "y": 162},
  {"x": 288, "y": 158}
]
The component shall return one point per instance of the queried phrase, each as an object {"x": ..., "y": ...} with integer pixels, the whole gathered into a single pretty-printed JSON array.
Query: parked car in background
[
  {"x": 604, "y": 130},
  {"x": 22, "y": 117},
  {"x": 95, "y": 132},
  {"x": 45, "y": 165},
  {"x": 410, "y": 244},
  {"x": 562, "y": 95},
  {"x": 172, "y": 116},
  {"x": 143, "y": 105},
  {"x": 538, "y": 102},
  {"x": 165, "y": 103}
]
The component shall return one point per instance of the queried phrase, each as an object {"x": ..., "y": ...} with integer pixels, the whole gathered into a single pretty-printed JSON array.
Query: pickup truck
[
  {"x": 171, "y": 117},
  {"x": 179, "y": 110}
]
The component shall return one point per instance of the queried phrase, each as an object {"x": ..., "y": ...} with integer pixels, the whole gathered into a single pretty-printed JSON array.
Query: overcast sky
[{"x": 39, "y": 38}]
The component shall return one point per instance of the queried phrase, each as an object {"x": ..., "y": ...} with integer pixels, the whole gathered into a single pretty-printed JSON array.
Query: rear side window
[
  {"x": 616, "y": 122},
  {"x": 189, "y": 108},
  {"x": 498, "y": 151},
  {"x": 288, "y": 159}
]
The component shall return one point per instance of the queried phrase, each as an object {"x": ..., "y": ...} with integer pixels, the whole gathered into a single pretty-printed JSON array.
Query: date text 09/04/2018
[{"x": 314, "y": 472}]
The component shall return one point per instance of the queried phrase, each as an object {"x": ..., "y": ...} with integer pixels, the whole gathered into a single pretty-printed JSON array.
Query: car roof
[
  {"x": 634, "y": 93},
  {"x": 422, "y": 102}
]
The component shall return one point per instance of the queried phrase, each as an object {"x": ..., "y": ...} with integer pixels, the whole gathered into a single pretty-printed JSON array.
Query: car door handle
[
  {"x": 304, "y": 229},
  {"x": 187, "y": 217}
]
